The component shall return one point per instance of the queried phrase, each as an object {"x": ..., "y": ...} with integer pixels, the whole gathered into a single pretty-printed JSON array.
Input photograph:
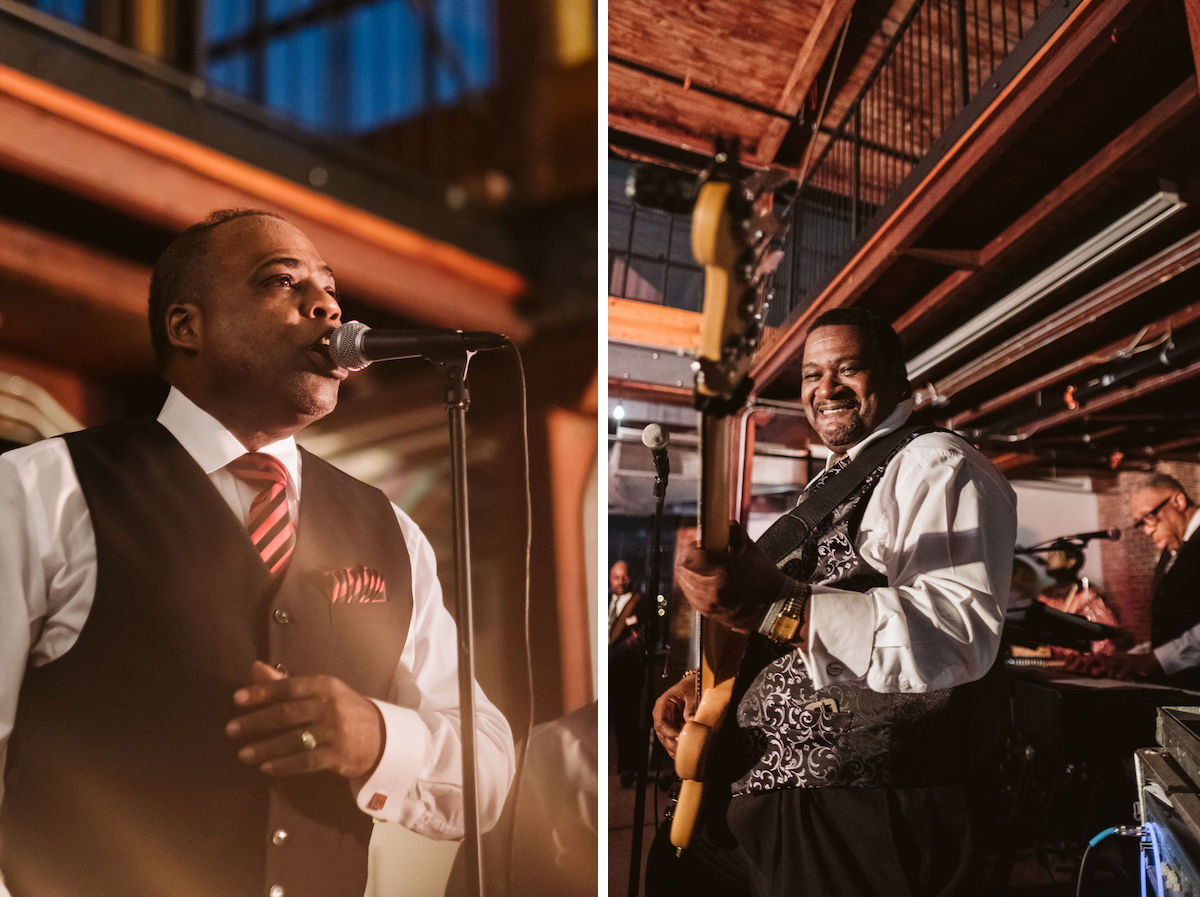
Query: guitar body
[{"x": 730, "y": 245}]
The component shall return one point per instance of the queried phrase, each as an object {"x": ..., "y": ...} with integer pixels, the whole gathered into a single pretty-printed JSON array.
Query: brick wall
[{"x": 1129, "y": 564}]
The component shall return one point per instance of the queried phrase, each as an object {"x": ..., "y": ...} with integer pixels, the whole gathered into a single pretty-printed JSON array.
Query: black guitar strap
[{"x": 794, "y": 527}]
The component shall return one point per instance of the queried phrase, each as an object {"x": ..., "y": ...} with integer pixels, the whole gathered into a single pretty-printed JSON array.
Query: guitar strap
[{"x": 794, "y": 527}]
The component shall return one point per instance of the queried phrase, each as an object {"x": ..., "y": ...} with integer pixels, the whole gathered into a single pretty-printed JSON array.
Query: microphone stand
[
  {"x": 647, "y": 698},
  {"x": 452, "y": 363}
]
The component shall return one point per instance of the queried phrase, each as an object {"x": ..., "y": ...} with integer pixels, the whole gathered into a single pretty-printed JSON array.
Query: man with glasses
[{"x": 1162, "y": 509}]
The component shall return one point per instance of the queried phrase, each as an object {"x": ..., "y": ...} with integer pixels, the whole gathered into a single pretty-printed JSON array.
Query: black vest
[
  {"x": 1175, "y": 607},
  {"x": 793, "y": 735},
  {"x": 120, "y": 779}
]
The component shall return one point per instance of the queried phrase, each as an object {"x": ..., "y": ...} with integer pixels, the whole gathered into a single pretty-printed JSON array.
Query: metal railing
[{"x": 940, "y": 55}]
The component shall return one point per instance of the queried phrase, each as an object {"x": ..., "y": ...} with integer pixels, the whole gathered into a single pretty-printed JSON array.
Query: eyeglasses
[{"x": 1151, "y": 517}]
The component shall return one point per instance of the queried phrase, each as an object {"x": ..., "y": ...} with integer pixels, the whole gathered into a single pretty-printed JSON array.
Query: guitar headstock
[{"x": 735, "y": 236}]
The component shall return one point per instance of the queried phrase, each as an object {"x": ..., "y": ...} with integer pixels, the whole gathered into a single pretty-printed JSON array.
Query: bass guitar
[{"x": 735, "y": 235}]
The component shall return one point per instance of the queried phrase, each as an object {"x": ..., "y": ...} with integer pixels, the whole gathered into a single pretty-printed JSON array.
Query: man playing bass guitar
[{"x": 852, "y": 729}]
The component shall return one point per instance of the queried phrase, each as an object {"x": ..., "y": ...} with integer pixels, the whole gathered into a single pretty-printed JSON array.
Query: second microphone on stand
[{"x": 655, "y": 438}]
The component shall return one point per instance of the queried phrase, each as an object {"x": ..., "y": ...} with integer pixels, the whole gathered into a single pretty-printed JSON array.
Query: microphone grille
[
  {"x": 654, "y": 437},
  {"x": 345, "y": 346}
]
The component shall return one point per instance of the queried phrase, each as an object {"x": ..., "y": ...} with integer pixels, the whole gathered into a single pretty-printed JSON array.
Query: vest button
[
  {"x": 282, "y": 616},
  {"x": 278, "y": 837},
  {"x": 275, "y": 891},
  {"x": 282, "y": 668}
]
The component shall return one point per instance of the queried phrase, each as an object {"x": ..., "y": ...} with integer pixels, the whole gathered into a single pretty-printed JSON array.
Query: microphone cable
[{"x": 527, "y": 622}]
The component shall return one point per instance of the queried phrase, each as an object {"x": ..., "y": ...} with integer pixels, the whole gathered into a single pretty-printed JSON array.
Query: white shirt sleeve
[
  {"x": 418, "y": 781},
  {"x": 47, "y": 564},
  {"x": 941, "y": 525},
  {"x": 1180, "y": 653}
]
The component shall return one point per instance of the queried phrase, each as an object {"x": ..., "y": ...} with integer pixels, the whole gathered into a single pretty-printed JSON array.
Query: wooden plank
[
  {"x": 653, "y": 325},
  {"x": 951, "y": 258},
  {"x": 1075, "y": 43},
  {"x": 673, "y": 114},
  {"x": 76, "y": 272},
  {"x": 1192, "y": 9},
  {"x": 649, "y": 392},
  {"x": 931, "y": 300}
]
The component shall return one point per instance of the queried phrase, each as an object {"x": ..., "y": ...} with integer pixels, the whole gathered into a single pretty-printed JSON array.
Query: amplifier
[{"x": 1169, "y": 803}]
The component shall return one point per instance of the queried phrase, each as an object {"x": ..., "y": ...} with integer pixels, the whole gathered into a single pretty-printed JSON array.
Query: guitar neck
[
  {"x": 716, "y": 489},
  {"x": 721, "y": 648}
]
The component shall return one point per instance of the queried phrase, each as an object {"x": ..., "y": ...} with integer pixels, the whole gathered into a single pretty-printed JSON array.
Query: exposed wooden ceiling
[{"x": 1103, "y": 116}]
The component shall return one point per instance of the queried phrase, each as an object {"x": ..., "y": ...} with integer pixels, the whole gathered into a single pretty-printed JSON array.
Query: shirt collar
[
  {"x": 210, "y": 444},
  {"x": 1192, "y": 525},
  {"x": 899, "y": 415}
]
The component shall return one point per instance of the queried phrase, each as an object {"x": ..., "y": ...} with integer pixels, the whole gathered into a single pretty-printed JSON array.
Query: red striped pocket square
[{"x": 355, "y": 585}]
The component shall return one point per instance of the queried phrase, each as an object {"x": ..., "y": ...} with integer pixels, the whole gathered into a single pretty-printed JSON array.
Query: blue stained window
[
  {"x": 466, "y": 26},
  {"x": 278, "y": 9},
  {"x": 225, "y": 18},
  {"x": 232, "y": 73},
  {"x": 72, "y": 11},
  {"x": 348, "y": 67},
  {"x": 298, "y": 77},
  {"x": 386, "y": 64}
]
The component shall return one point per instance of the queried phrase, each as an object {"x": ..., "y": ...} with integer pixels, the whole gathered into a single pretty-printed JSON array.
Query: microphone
[
  {"x": 1112, "y": 533},
  {"x": 655, "y": 438},
  {"x": 354, "y": 345}
]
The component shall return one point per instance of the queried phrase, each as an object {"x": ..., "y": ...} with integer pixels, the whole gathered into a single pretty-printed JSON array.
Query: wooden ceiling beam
[
  {"x": 1192, "y": 9},
  {"x": 1059, "y": 204},
  {"x": 1080, "y": 39},
  {"x": 58, "y": 137},
  {"x": 1117, "y": 396},
  {"x": 649, "y": 392},
  {"x": 75, "y": 272},
  {"x": 1153, "y": 332},
  {"x": 1118, "y": 292},
  {"x": 822, "y": 33}
]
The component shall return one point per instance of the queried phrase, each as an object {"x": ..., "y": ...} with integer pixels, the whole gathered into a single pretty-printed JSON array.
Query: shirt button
[
  {"x": 278, "y": 837},
  {"x": 275, "y": 891},
  {"x": 282, "y": 616},
  {"x": 282, "y": 668}
]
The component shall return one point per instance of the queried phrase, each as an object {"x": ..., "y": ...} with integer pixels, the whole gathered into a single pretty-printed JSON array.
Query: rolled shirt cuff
[
  {"x": 382, "y": 794},
  {"x": 836, "y": 650}
]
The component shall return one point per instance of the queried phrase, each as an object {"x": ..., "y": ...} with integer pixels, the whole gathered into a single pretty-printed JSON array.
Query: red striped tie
[{"x": 270, "y": 525}]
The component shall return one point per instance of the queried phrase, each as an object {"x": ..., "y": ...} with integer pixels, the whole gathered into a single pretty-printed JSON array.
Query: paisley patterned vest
[{"x": 790, "y": 734}]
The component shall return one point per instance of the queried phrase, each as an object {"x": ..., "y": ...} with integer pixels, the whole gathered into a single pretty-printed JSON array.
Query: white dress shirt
[
  {"x": 616, "y": 607},
  {"x": 940, "y": 525},
  {"x": 1183, "y": 651},
  {"x": 48, "y": 582}
]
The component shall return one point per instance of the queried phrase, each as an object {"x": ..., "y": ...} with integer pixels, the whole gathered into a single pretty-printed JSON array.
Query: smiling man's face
[{"x": 848, "y": 388}]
